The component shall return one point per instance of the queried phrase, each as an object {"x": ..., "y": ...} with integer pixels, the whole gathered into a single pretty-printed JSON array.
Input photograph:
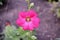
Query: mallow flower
[{"x": 28, "y": 20}]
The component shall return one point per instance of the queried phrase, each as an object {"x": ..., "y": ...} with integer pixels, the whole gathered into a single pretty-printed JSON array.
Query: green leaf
[
  {"x": 13, "y": 33},
  {"x": 10, "y": 33}
]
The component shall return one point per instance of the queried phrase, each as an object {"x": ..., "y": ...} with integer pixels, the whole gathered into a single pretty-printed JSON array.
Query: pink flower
[{"x": 28, "y": 20}]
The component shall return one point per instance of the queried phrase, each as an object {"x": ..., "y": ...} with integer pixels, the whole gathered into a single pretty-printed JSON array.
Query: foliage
[
  {"x": 58, "y": 13},
  {"x": 13, "y": 33},
  {"x": 1, "y": 2}
]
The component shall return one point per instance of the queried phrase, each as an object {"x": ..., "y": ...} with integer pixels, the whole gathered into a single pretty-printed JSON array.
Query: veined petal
[
  {"x": 20, "y": 21},
  {"x": 31, "y": 26},
  {"x": 25, "y": 26},
  {"x": 23, "y": 14},
  {"x": 31, "y": 13},
  {"x": 35, "y": 21}
]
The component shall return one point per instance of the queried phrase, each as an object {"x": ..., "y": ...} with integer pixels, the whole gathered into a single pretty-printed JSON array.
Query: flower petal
[
  {"x": 23, "y": 14},
  {"x": 31, "y": 26},
  {"x": 20, "y": 21},
  {"x": 25, "y": 26},
  {"x": 31, "y": 13},
  {"x": 35, "y": 21}
]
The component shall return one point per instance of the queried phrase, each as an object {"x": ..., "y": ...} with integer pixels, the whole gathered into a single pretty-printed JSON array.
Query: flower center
[{"x": 28, "y": 19}]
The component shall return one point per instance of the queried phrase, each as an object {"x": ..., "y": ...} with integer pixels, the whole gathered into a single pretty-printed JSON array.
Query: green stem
[
  {"x": 49, "y": 0},
  {"x": 29, "y": 5}
]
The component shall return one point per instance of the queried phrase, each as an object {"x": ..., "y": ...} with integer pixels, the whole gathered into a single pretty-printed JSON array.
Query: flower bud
[
  {"x": 33, "y": 37},
  {"x": 31, "y": 4}
]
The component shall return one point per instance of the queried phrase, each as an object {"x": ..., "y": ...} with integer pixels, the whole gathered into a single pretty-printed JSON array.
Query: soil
[{"x": 49, "y": 28}]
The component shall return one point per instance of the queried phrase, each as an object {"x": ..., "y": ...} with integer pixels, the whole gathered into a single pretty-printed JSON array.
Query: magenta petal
[
  {"x": 31, "y": 26},
  {"x": 25, "y": 26},
  {"x": 20, "y": 21},
  {"x": 29, "y": 13},
  {"x": 35, "y": 21},
  {"x": 32, "y": 13},
  {"x": 23, "y": 14}
]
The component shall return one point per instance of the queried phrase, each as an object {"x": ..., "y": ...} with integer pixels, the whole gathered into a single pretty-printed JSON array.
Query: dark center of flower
[{"x": 28, "y": 19}]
